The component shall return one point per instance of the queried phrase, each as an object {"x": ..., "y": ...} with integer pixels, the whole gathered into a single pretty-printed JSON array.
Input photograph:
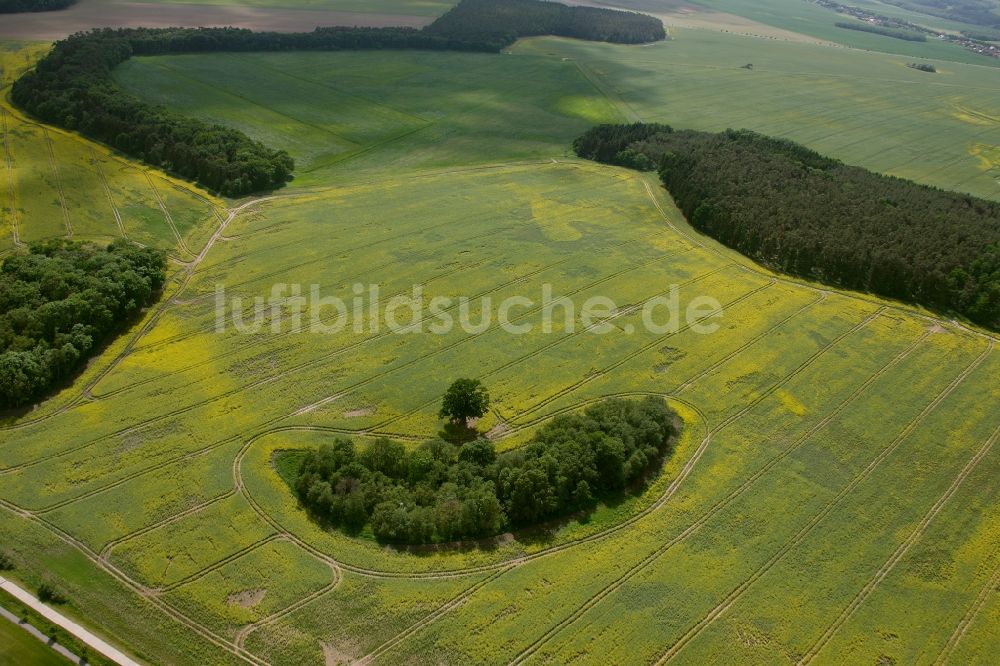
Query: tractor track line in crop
[
  {"x": 95, "y": 160},
  {"x": 616, "y": 584},
  {"x": 641, "y": 350},
  {"x": 168, "y": 218},
  {"x": 430, "y": 619},
  {"x": 143, "y": 330},
  {"x": 241, "y": 636},
  {"x": 989, "y": 589},
  {"x": 54, "y": 167},
  {"x": 306, "y": 364},
  {"x": 11, "y": 186},
  {"x": 733, "y": 596},
  {"x": 221, "y": 562},
  {"x": 900, "y": 552},
  {"x": 138, "y": 589}
]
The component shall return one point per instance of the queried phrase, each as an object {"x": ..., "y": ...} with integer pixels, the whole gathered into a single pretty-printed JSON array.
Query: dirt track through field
[{"x": 46, "y": 26}]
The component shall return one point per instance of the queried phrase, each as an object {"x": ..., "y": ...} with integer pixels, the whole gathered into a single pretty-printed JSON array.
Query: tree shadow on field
[
  {"x": 540, "y": 535},
  {"x": 127, "y": 327},
  {"x": 458, "y": 433}
]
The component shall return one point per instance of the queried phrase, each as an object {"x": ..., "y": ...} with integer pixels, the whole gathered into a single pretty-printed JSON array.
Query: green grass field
[
  {"x": 403, "y": 114},
  {"x": 18, "y": 647},
  {"x": 867, "y": 109},
  {"x": 832, "y": 497},
  {"x": 804, "y": 17}
]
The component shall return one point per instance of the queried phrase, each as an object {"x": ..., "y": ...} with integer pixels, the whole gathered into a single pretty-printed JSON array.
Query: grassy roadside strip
[
  {"x": 55, "y": 633},
  {"x": 21, "y": 642}
]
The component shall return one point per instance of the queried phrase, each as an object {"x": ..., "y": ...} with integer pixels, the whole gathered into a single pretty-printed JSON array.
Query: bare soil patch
[
  {"x": 87, "y": 14},
  {"x": 357, "y": 413},
  {"x": 499, "y": 431},
  {"x": 334, "y": 657},
  {"x": 246, "y": 598}
]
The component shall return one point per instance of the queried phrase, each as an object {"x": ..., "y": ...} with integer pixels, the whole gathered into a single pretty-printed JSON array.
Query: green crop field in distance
[
  {"x": 831, "y": 497},
  {"x": 807, "y": 18},
  {"x": 867, "y": 109},
  {"x": 432, "y": 110},
  {"x": 345, "y": 114}
]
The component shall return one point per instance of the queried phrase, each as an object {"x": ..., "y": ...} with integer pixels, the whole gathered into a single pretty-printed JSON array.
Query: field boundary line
[
  {"x": 616, "y": 100},
  {"x": 336, "y": 578},
  {"x": 246, "y": 100},
  {"x": 157, "y": 311},
  {"x": 253, "y": 344},
  {"x": 645, "y": 348},
  {"x": 209, "y": 296},
  {"x": 747, "y": 264},
  {"x": 105, "y": 553},
  {"x": 749, "y": 343},
  {"x": 319, "y": 554},
  {"x": 517, "y": 427},
  {"x": 545, "y": 347},
  {"x": 218, "y": 564},
  {"x": 339, "y": 91},
  {"x": 738, "y": 591},
  {"x": 278, "y": 376},
  {"x": 675, "y": 484},
  {"x": 282, "y": 375},
  {"x": 135, "y": 475},
  {"x": 900, "y": 552},
  {"x": 417, "y": 230},
  {"x": 454, "y": 573}
]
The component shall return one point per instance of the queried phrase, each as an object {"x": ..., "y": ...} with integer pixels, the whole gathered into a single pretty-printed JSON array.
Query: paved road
[
  {"x": 54, "y": 616},
  {"x": 40, "y": 636}
]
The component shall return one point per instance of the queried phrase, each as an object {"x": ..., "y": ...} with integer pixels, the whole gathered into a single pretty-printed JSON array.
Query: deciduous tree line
[
  {"x": 72, "y": 87},
  {"x": 792, "y": 209},
  {"x": 60, "y": 301},
  {"x": 441, "y": 492},
  {"x": 501, "y": 22},
  {"x": 15, "y": 6}
]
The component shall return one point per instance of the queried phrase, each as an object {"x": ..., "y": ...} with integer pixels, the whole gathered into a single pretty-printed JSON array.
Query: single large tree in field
[{"x": 465, "y": 399}]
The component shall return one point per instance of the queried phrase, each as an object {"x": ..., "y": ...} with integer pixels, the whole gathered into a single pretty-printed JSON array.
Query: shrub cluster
[
  {"x": 440, "y": 492},
  {"x": 48, "y": 593},
  {"x": 502, "y": 22},
  {"x": 797, "y": 211},
  {"x": 59, "y": 301}
]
